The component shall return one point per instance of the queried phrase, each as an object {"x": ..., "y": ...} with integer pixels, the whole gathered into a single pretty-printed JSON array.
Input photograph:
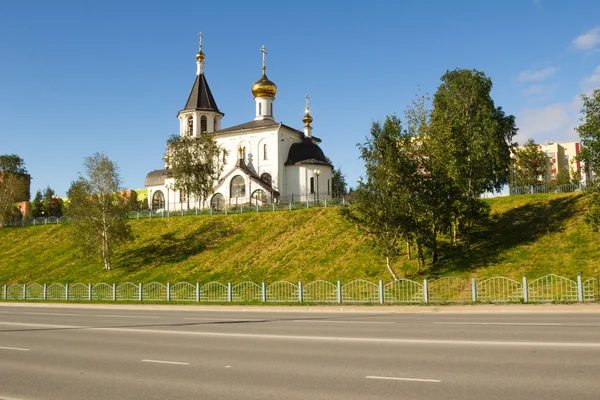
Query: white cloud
[
  {"x": 589, "y": 83},
  {"x": 587, "y": 41},
  {"x": 532, "y": 75},
  {"x": 554, "y": 122}
]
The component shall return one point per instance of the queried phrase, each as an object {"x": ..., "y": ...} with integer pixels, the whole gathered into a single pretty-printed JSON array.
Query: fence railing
[
  {"x": 568, "y": 188},
  {"x": 498, "y": 289},
  {"x": 225, "y": 210}
]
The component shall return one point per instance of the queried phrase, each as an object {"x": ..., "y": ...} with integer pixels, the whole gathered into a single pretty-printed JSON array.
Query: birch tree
[{"x": 98, "y": 211}]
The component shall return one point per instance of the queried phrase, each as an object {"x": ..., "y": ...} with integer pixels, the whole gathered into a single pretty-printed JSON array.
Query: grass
[{"x": 531, "y": 234}]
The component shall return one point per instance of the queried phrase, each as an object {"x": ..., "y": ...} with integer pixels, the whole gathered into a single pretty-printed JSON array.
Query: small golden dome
[
  {"x": 166, "y": 158},
  {"x": 264, "y": 87},
  {"x": 307, "y": 118},
  {"x": 200, "y": 56}
]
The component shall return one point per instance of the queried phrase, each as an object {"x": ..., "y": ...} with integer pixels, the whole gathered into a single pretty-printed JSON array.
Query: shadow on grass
[
  {"x": 513, "y": 228},
  {"x": 171, "y": 248}
]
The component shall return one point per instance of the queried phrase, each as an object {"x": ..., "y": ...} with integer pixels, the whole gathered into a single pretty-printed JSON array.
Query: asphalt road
[{"x": 82, "y": 353}]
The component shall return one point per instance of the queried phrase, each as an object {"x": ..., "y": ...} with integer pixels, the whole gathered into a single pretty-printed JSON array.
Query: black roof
[
  {"x": 200, "y": 97},
  {"x": 306, "y": 152},
  {"x": 156, "y": 177}
]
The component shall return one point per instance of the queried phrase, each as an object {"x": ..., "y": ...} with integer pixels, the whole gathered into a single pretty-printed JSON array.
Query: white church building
[{"x": 267, "y": 161}]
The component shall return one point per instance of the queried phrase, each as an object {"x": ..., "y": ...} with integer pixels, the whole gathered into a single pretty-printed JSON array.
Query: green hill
[{"x": 535, "y": 234}]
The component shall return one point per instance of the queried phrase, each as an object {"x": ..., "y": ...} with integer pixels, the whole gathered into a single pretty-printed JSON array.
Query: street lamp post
[{"x": 317, "y": 173}]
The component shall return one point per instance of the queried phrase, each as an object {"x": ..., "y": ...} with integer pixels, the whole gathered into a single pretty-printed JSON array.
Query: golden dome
[
  {"x": 200, "y": 56},
  {"x": 264, "y": 87},
  {"x": 166, "y": 158},
  {"x": 307, "y": 118}
]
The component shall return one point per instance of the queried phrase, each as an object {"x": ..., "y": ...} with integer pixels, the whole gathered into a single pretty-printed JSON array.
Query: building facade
[
  {"x": 562, "y": 156},
  {"x": 267, "y": 161}
]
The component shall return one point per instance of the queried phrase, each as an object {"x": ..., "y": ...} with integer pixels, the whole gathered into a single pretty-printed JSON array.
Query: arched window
[
  {"x": 190, "y": 122},
  {"x": 264, "y": 151},
  {"x": 215, "y": 122},
  {"x": 328, "y": 187},
  {"x": 259, "y": 195},
  {"x": 312, "y": 185},
  {"x": 158, "y": 201},
  {"x": 217, "y": 202},
  {"x": 259, "y": 108},
  {"x": 266, "y": 178},
  {"x": 238, "y": 187},
  {"x": 203, "y": 124}
]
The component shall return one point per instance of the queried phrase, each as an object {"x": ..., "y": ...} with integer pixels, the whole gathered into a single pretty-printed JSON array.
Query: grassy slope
[{"x": 535, "y": 234}]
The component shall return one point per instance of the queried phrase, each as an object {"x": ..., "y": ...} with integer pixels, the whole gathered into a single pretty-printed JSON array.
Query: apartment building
[{"x": 563, "y": 156}]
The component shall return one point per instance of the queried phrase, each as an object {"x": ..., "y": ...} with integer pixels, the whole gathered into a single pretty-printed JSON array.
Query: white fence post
[
  {"x": 229, "y": 293},
  {"x": 24, "y": 291},
  {"x": 114, "y": 291},
  {"x": 168, "y": 291},
  {"x": 339, "y": 291},
  {"x": 425, "y": 291},
  {"x": 381, "y": 294},
  {"x": 197, "y": 292},
  {"x": 90, "y": 292},
  {"x": 66, "y": 291},
  {"x": 141, "y": 294},
  {"x": 525, "y": 290},
  {"x": 45, "y": 291},
  {"x": 264, "y": 292},
  {"x": 473, "y": 290},
  {"x": 5, "y": 292},
  {"x": 300, "y": 294},
  {"x": 579, "y": 288},
  {"x": 290, "y": 206}
]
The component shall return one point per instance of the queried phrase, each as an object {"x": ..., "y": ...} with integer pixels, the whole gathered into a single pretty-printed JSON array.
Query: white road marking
[
  {"x": 43, "y": 325},
  {"x": 343, "y": 322},
  {"x": 12, "y": 348},
  {"x": 50, "y": 314},
  {"x": 399, "y": 341},
  {"x": 228, "y": 366},
  {"x": 224, "y": 319},
  {"x": 391, "y": 378},
  {"x": 501, "y": 323},
  {"x": 8, "y": 398},
  {"x": 122, "y": 316},
  {"x": 166, "y": 362}
]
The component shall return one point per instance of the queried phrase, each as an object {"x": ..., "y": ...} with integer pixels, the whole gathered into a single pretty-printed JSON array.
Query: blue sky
[{"x": 85, "y": 76}]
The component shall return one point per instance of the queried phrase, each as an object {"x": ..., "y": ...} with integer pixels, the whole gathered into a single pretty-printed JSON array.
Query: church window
[
  {"x": 215, "y": 122},
  {"x": 312, "y": 185},
  {"x": 328, "y": 187},
  {"x": 190, "y": 122},
  {"x": 266, "y": 178},
  {"x": 203, "y": 124},
  {"x": 238, "y": 187},
  {"x": 259, "y": 108},
  {"x": 158, "y": 201},
  {"x": 259, "y": 195},
  {"x": 264, "y": 151},
  {"x": 182, "y": 197},
  {"x": 271, "y": 109},
  {"x": 217, "y": 202}
]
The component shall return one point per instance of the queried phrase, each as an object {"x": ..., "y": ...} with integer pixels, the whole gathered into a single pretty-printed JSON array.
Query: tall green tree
[
  {"x": 52, "y": 203},
  {"x": 381, "y": 203},
  {"x": 37, "y": 205},
  {"x": 98, "y": 211},
  {"x": 589, "y": 133},
  {"x": 530, "y": 165},
  {"x": 14, "y": 186},
  {"x": 471, "y": 139},
  {"x": 195, "y": 162}
]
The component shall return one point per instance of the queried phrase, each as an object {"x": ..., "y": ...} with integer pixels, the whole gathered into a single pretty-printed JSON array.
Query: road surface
[{"x": 142, "y": 353}]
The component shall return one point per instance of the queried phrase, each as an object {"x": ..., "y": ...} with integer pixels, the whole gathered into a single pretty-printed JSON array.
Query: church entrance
[{"x": 158, "y": 201}]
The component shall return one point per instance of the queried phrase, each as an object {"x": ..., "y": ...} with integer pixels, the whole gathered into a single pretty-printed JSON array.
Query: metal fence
[
  {"x": 227, "y": 209},
  {"x": 550, "y": 288},
  {"x": 568, "y": 188}
]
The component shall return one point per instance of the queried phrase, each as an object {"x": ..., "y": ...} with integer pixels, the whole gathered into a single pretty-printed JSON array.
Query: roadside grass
[{"x": 531, "y": 234}]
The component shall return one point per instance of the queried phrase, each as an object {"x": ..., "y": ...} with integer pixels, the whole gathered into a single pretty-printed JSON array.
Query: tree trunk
[
  {"x": 408, "y": 249},
  {"x": 389, "y": 267},
  {"x": 106, "y": 250},
  {"x": 454, "y": 232}
]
